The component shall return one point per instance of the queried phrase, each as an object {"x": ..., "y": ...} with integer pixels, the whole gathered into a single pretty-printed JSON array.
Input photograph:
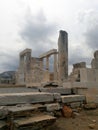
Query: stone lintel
[
  {"x": 25, "y": 51},
  {"x": 96, "y": 99},
  {"x": 47, "y": 54}
]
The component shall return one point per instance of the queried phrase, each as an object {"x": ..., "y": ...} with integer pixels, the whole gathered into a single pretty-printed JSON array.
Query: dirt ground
[{"x": 80, "y": 121}]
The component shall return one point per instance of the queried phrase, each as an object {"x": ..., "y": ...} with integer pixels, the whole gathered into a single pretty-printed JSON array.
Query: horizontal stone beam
[
  {"x": 20, "y": 98},
  {"x": 73, "y": 98},
  {"x": 60, "y": 90},
  {"x": 25, "y": 51},
  {"x": 17, "y": 90},
  {"x": 46, "y": 54},
  {"x": 36, "y": 122}
]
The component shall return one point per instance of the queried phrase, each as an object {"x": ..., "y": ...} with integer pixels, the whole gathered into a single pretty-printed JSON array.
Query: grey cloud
[
  {"x": 76, "y": 59},
  {"x": 37, "y": 32},
  {"x": 91, "y": 37},
  {"x": 89, "y": 22},
  {"x": 77, "y": 55},
  {"x": 9, "y": 61}
]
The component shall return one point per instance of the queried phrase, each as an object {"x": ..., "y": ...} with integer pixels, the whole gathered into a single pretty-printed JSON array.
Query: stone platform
[
  {"x": 60, "y": 90},
  {"x": 17, "y": 90},
  {"x": 30, "y": 108},
  {"x": 73, "y": 98},
  {"x": 34, "y": 123},
  {"x": 20, "y": 98}
]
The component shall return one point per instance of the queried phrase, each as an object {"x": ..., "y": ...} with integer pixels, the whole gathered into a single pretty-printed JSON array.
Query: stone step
[
  {"x": 17, "y": 90},
  {"x": 96, "y": 99},
  {"x": 60, "y": 90},
  {"x": 73, "y": 98},
  {"x": 22, "y": 98},
  {"x": 3, "y": 112},
  {"x": 3, "y": 125},
  {"x": 53, "y": 107},
  {"x": 34, "y": 123},
  {"x": 25, "y": 110}
]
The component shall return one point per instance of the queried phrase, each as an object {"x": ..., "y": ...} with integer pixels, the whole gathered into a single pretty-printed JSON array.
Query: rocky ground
[{"x": 84, "y": 120}]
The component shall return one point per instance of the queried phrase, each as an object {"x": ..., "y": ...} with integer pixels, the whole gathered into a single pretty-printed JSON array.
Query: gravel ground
[{"x": 80, "y": 122}]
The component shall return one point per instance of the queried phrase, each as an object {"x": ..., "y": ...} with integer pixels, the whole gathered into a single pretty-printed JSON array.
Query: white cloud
[
  {"x": 57, "y": 13},
  {"x": 37, "y": 33}
]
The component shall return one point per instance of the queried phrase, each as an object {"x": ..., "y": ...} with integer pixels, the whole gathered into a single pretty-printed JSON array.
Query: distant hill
[{"x": 7, "y": 74}]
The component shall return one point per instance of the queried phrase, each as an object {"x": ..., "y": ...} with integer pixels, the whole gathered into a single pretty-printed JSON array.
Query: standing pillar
[
  {"x": 63, "y": 56},
  {"x": 42, "y": 66},
  {"x": 55, "y": 66},
  {"x": 22, "y": 63},
  {"x": 47, "y": 63}
]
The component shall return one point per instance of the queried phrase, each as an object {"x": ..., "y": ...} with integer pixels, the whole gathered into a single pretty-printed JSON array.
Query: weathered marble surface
[
  {"x": 73, "y": 98},
  {"x": 63, "y": 56},
  {"x": 60, "y": 90},
  {"x": 19, "y": 98}
]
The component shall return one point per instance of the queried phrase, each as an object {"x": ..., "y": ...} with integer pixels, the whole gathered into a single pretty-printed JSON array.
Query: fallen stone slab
[
  {"x": 89, "y": 106},
  {"x": 52, "y": 107},
  {"x": 3, "y": 112},
  {"x": 75, "y": 104},
  {"x": 61, "y": 90},
  {"x": 73, "y": 98},
  {"x": 20, "y": 98},
  {"x": 3, "y": 125},
  {"x": 34, "y": 123},
  {"x": 17, "y": 90},
  {"x": 24, "y": 110},
  {"x": 57, "y": 97}
]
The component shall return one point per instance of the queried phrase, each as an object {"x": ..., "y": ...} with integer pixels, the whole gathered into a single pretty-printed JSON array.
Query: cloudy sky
[{"x": 35, "y": 24}]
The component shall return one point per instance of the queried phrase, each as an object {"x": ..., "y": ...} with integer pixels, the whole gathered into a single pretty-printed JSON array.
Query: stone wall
[
  {"x": 36, "y": 73},
  {"x": 76, "y": 72},
  {"x": 31, "y": 71},
  {"x": 89, "y": 75}
]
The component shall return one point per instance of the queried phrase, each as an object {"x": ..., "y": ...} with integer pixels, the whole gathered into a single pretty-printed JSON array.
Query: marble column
[
  {"x": 55, "y": 66},
  {"x": 21, "y": 66},
  {"x": 63, "y": 56},
  {"x": 42, "y": 64},
  {"x": 47, "y": 63}
]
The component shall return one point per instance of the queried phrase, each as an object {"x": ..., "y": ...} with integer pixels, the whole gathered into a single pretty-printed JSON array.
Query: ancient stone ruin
[
  {"x": 63, "y": 56},
  {"x": 41, "y": 95},
  {"x": 31, "y": 71}
]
